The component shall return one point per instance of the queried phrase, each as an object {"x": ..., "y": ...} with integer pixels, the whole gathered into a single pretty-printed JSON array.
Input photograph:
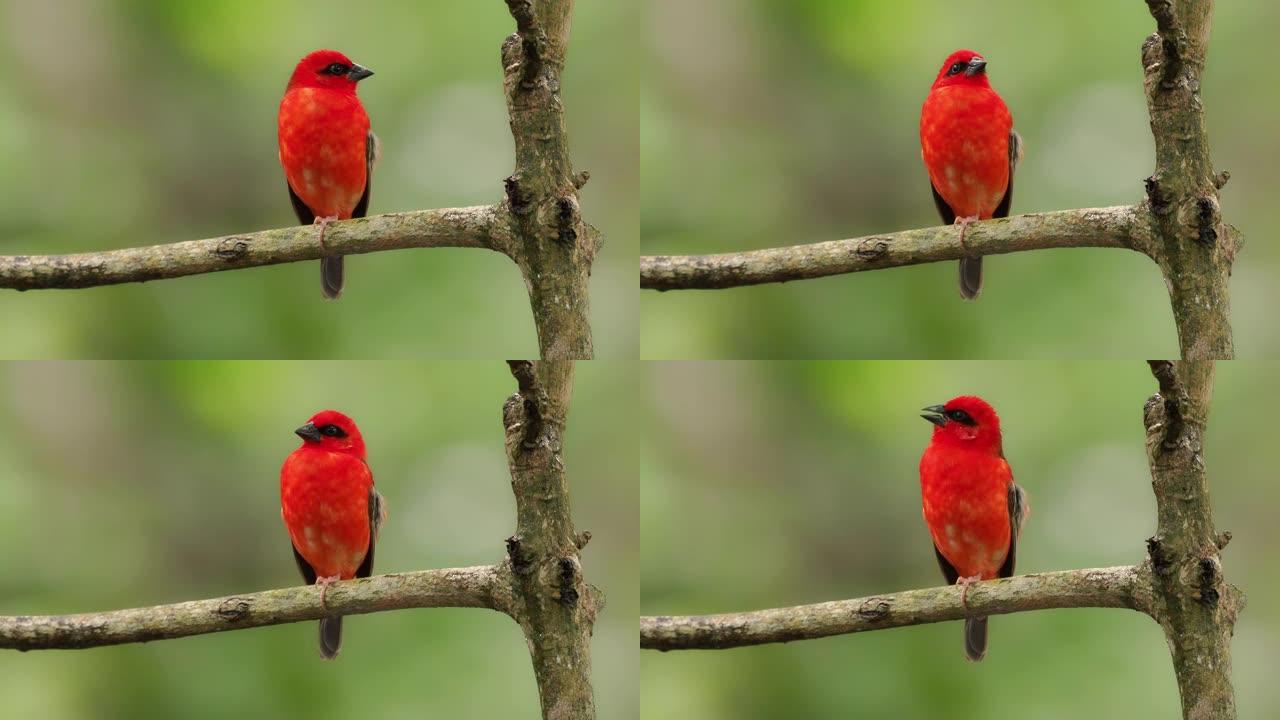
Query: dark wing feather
[
  {"x": 1015, "y": 154},
  {"x": 944, "y": 210},
  {"x": 305, "y": 216},
  {"x": 948, "y": 570},
  {"x": 304, "y": 567},
  {"x": 1017, "y": 513},
  {"x": 370, "y": 157},
  {"x": 377, "y": 510}
]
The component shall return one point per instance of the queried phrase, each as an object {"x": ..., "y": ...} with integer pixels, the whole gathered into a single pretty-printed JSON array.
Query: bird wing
[
  {"x": 1018, "y": 511},
  {"x": 304, "y": 567},
  {"x": 948, "y": 570},
  {"x": 1015, "y": 155},
  {"x": 377, "y": 514},
  {"x": 372, "y": 150},
  {"x": 305, "y": 216},
  {"x": 948, "y": 215}
]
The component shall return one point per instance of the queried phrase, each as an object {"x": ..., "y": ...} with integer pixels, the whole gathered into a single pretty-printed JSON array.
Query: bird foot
[
  {"x": 963, "y": 222},
  {"x": 964, "y": 583},
  {"x": 324, "y": 583},
  {"x": 323, "y": 222}
]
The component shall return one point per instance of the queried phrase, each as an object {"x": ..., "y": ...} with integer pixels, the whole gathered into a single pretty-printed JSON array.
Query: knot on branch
[
  {"x": 567, "y": 218},
  {"x": 234, "y": 609},
  {"x": 874, "y": 609},
  {"x": 232, "y": 249},
  {"x": 1160, "y": 204},
  {"x": 523, "y": 410},
  {"x": 520, "y": 562},
  {"x": 1168, "y": 46},
  {"x": 1164, "y": 409},
  {"x": 570, "y": 576},
  {"x": 1207, "y": 217},
  {"x": 528, "y": 46},
  {"x": 871, "y": 249},
  {"x": 517, "y": 198},
  {"x": 1160, "y": 563},
  {"x": 1210, "y": 579}
]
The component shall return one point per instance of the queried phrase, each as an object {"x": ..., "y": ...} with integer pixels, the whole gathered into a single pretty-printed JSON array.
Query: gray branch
[
  {"x": 1113, "y": 227},
  {"x": 1116, "y": 587},
  {"x": 479, "y": 587},
  {"x": 475, "y": 227}
]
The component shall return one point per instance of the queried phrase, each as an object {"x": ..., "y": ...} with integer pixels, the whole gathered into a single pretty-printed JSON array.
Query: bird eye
[
  {"x": 332, "y": 431},
  {"x": 336, "y": 69},
  {"x": 956, "y": 68},
  {"x": 961, "y": 417}
]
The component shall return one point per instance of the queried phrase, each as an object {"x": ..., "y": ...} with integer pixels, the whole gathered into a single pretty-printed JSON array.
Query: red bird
[
  {"x": 970, "y": 150},
  {"x": 973, "y": 508},
  {"x": 326, "y": 148},
  {"x": 331, "y": 510}
]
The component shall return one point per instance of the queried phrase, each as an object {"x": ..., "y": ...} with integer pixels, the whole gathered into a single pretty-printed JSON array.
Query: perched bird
[
  {"x": 973, "y": 508},
  {"x": 326, "y": 148},
  {"x": 970, "y": 150},
  {"x": 331, "y": 510}
]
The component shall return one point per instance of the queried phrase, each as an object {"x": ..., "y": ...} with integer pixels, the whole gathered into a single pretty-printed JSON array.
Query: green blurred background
[
  {"x": 135, "y": 122},
  {"x": 767, "y": 123},
  {"x": 130, "y": 484},
  {"x": 774, "y": 484}
]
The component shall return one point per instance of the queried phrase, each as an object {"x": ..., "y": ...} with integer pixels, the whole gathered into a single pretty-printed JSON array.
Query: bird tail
[
  {"x": 331, "y": 636},
  {"x": 331, "y": 277},
  {"x": 975, "y": 638},
  {"x": 970, "y": 277}
]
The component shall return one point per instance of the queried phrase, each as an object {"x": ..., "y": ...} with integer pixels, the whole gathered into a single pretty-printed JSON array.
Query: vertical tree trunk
[
  {"x": 552, "y": 245},
  {"x": 555, "y": 607}
]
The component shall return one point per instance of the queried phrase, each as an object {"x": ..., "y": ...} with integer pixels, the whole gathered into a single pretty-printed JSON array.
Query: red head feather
[
  {"x": 331, "y": 430},
  {"x": 328, "y": 69},
  {"x": 967, "y": 420},
  {"x": 963, "y": 67}
]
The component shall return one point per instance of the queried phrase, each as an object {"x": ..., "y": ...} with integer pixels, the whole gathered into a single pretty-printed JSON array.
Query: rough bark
[
  {"x": 1192, "y": 600},
  {"x": 480, "y": 587},
  {"x": 1113, "y": 227},
  {"x": 475, "y": 227},
  {"x": 1195, "y": 247},
  {"x": 554, "y": 604},
  {"x": 1118, "y": 587},
  {"x": 554, "y": 247}
]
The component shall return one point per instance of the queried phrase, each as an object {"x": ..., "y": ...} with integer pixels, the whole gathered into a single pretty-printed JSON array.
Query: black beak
[
  {"x": 935, "y": 415},
  {"x": 975, "y": 66},
  {"x": 358, "y": 73},
  {"x": 309, "y": 432}
]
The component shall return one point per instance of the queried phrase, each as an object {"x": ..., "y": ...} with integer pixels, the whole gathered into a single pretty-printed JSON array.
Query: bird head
[
  {"x": 333, "y": 431},
  {"x": 963, "y": 67},
  {"x": 966, "y": 420},
  {"x": 328, "y": 69}
]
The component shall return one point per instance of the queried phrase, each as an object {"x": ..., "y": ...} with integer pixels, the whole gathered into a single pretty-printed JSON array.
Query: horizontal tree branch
[
  {"x": 1117, "y": 587},
  {"x": 476, "y": 227},
  {"x": 1112, "y": 227},
  {"x": 481, "y": 587}
]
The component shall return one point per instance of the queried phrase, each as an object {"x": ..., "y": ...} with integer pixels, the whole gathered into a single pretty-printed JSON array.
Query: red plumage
[
  {"x": 330, "y": 508},
  {"x": 326, "y": 148},
  {"x": 970, "y": 150},
  {"x": 972, "y": 507}
]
